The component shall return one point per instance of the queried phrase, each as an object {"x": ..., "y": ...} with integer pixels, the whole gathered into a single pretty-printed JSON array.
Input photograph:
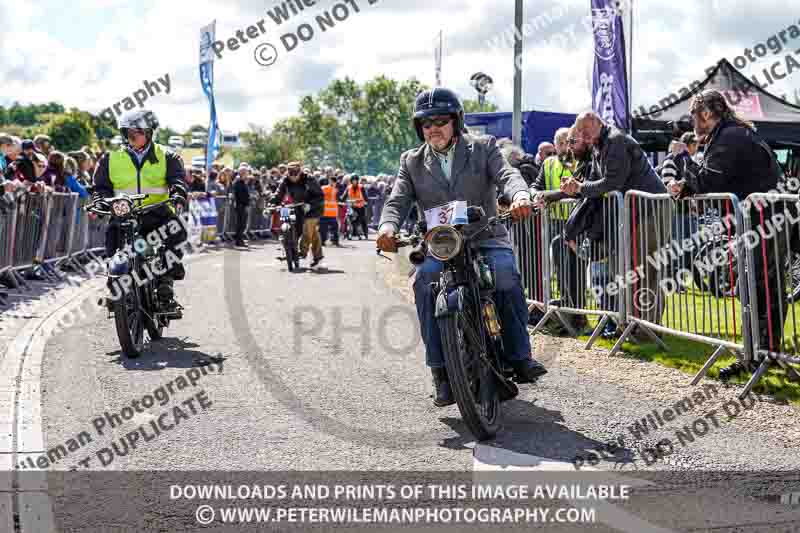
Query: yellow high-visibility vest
[
  {"x": 151, "y": 179},
  {"x": 554, "y": 170}
]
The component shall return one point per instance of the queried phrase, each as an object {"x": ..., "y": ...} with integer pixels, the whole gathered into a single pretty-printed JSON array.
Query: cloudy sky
[{"x": 94, "y": 53}]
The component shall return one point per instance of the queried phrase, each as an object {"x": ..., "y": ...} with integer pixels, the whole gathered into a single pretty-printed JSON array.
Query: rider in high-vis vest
[
  {"x": 355, "y": 194},
  {"x": 328, "y": 223},
  {"x": 546, "y": 189},
  {"x": 140, "y": 166}
]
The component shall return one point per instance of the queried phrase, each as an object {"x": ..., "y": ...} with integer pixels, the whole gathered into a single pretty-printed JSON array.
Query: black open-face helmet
[{"x": 438, "y": 101}]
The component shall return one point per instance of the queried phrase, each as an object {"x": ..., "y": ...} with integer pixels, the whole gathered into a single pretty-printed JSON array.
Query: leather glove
[{"x": 178, "y": 195}]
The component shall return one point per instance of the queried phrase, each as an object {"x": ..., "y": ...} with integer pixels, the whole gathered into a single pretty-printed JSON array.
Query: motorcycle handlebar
[
  {"x": 276, "y": 207},
  {"x": 93, "y": 207}
]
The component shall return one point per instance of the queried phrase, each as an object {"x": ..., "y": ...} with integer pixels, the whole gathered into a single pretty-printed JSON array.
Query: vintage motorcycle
[
  {"x": 134, "y": 270},
  {"x": 468, "y": 320},
  {"x": 288, "y": 231},
  {"x": 351, "y": 228}
]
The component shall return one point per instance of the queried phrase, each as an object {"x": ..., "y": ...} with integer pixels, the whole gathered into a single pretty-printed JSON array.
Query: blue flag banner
[
  {"x": 207, "y": 35},
  {"x": 610, "y": 80},
  {"x": 207, "y": 81}
]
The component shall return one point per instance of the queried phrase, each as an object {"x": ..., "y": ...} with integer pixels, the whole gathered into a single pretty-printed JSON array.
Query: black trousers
[
  {"x": 565, "y": 264},
  {"x": 329, "y": 226},
  {"x": 241, "y": 222},
  {"x": 361, "y": 219},
  {"x": 770, "y": 274},
  {"x": 161, "y": 221}
]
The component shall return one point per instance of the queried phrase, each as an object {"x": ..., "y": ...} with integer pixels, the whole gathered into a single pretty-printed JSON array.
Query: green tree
[
  {"x": 266, "y": 149},
  {"x": 71, "y": 131},
  {"x": 362, "y": 128},
  {"x": 163, "y": 134},
  {"x": 472, "y": 106}
]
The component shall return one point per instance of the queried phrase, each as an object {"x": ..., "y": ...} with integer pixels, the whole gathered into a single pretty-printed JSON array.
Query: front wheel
[
  {"x": 472, "y": 382},
  {"x": 129, "y": 320},
  {"x": 288, "y": 249}
]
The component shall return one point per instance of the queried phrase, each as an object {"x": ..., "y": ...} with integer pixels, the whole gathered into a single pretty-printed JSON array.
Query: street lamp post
[
  {"x": 482, "y": 83},
  {"x": 516, "y": 128}
]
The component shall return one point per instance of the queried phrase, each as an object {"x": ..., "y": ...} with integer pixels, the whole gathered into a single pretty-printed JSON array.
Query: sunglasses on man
[{"x": 439, "y": 123}]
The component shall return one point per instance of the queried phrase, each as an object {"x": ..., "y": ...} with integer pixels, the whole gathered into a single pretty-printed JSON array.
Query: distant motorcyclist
[
  {"x": 357, "y": 195},
  {"x": 304, "y": 189},
  {"x": 141, "y": 166}
]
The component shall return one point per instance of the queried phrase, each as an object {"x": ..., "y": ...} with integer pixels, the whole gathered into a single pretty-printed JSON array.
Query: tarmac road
[{"x": 323, "y": 370}]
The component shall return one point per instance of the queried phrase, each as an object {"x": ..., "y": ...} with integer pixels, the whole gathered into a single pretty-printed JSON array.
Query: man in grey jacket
[{"x": 451, "y": 165}]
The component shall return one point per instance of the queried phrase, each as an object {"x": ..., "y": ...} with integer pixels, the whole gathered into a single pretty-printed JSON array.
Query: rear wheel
[
  {"x": 473, "y": 383},
  {"x": 715, "y": 278},
  {"x": 129, "y": 320}
]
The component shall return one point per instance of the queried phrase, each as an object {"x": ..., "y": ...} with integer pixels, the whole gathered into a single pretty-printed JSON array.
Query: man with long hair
[{"x": 738, "y": 161}]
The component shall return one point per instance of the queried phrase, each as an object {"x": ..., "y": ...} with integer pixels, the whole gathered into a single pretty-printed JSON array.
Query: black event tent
[{"x": 776, "y": 120}]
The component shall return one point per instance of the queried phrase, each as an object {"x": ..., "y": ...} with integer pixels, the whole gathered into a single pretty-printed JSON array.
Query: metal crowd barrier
[
  {"x": 257, "y": 223},
  {"x": 60, "y": 225},
  {"x": 582, "y": 277},
  {"x": 45, "y": 233},
  {"x": 682, "y": 272},
  {"x": 531, "y": 255},
  {"x": 772, "y": 243},
  {"x": 40, "y": 233},
  {"x": 561, "y": 282},
  {"x": 661, "y": 266},
  {"x": 8, "y": 221}
]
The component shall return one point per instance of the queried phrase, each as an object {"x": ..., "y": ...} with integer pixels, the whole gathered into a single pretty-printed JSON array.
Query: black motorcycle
[
  {"x": 351, "y": 227},
  {"x": 133, "y": 272},
  {"x": 469, "y": 323},
  {"x": 288, "y": 237}
]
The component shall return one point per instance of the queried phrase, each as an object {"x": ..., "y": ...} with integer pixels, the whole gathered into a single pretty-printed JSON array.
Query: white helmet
[{"x": 138, "y": 118}]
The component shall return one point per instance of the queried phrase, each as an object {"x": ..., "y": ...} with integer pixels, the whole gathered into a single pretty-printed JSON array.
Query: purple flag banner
[{"x": 610, "y": 80}]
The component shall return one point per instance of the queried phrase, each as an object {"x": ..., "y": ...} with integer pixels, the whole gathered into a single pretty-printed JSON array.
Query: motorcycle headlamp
[
  {"x": 444, "y": 242},
  {"x": 121, "y": 208}
]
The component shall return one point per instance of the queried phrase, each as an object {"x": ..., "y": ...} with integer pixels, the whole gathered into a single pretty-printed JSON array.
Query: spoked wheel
[
  {"x": 718, "y": 280},
  {"x": 473, "y": 383},
  {"x": 793, "y": 278},
  {"x": 130, "y": 322}
]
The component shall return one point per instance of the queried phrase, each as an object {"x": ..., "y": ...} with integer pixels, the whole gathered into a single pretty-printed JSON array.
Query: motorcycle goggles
[{"x": 439, "y": 122}]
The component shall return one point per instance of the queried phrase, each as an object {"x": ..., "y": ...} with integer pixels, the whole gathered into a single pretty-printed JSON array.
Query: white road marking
[
  {"x": 21, "y": 415},
  {"x": 20, "y": 391}
]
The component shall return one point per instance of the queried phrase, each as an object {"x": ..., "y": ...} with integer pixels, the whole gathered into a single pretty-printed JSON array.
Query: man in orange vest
[
  {"x": 330, "y": 212},
  {"x": 356, "y": 194}
]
